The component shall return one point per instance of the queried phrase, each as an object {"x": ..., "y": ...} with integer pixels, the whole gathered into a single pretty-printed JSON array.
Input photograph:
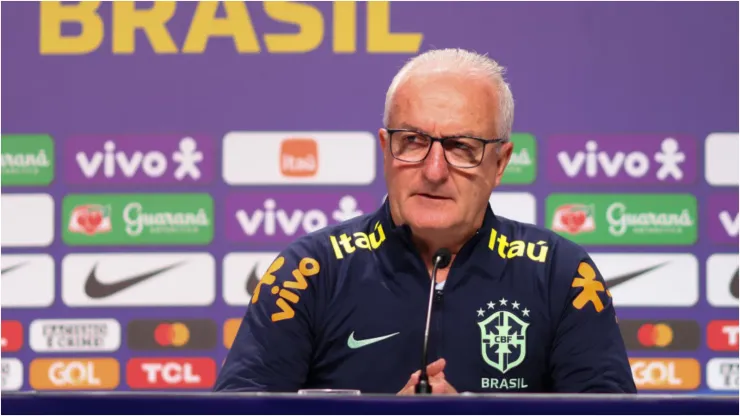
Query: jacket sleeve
[
  {"x": 273, "y": 346},
  {"x": 588, "y": 352}
]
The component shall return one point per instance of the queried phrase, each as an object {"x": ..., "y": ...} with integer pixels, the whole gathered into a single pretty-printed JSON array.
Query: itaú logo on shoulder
[
  {"x": 204, "y": 24},
  {"x": 500, "y": 244}
]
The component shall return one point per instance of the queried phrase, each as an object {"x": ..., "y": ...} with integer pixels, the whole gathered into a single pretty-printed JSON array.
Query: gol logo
[
  {"x": 170, "y": 373},
  {"x": 74, "y": 374},
  {"x": 299, "y": 157},
  {"x": 12, "y": 336},
  {"x": 665, "y": 373},
  {"x": 723, "y": 335},
  {"x": 231, "y": 327}
]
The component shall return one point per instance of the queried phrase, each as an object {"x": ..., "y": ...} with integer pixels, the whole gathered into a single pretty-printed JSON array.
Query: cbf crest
[{"x": 503, "y": 334}]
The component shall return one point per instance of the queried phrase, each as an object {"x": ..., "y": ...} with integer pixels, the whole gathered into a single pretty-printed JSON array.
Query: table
[{"x": 270, "y": 403}]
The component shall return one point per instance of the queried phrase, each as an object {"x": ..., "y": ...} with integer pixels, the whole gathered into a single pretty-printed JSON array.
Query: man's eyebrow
[{"x": 466, "y": 133}]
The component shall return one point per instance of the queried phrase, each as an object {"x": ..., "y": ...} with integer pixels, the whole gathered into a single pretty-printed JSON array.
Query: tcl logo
[
  {"x": 665, "y": 374},
  {"x": 12, "y": 336},
  {"x": 171, "y": 373},
  {"x": 723, "y": 335},
  {"x": 79, "y": 374}
]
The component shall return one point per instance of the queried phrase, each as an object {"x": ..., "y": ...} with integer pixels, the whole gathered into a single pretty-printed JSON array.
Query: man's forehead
[{"x": 464, "y": 131}]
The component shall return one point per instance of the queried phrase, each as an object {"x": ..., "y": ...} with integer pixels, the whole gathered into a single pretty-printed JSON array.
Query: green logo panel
[
  {"x": 27, "y": 159},
  {"x": 624, "y": 219},
  {"x": 137, "y": 219},
  {"x": 522, "y": 168}
]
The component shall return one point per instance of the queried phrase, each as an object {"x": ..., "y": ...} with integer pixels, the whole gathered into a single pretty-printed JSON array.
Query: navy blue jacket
[{"x": 522, "y": 310}]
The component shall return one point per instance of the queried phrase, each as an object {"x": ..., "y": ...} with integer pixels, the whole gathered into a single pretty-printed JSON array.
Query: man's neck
[{"x": 428, "y": 246}]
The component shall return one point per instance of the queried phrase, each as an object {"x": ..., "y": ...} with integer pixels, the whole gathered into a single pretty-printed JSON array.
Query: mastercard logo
[
  {"x": 666, "y": 335},
  {"x": 153, "y": 334},
  {"x": 175, "y": 334},
  {"x": 655, "y": 335}
]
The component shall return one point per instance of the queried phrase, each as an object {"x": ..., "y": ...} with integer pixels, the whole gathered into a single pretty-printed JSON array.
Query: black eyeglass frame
[{"x": 441, "y": 141}]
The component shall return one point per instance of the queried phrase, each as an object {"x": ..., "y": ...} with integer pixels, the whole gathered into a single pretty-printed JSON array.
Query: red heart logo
[{"x": 573, "y": 220}]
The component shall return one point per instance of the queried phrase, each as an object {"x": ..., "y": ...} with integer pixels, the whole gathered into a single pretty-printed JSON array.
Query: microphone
[{"x": 440, "y": 260}]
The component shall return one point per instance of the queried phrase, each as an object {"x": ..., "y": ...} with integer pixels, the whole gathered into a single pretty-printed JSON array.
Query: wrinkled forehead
[{"x": 445, "y": 104}]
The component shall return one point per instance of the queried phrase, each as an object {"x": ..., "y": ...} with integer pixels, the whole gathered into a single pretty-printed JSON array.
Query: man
[{"x": 519, "y": 309}]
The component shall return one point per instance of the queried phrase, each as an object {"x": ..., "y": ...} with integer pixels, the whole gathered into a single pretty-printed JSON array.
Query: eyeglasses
[{"x": 460, "y": 151}]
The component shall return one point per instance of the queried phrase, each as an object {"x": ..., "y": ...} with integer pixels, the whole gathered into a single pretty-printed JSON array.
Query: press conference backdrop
[{"x": 191, "y": 142}]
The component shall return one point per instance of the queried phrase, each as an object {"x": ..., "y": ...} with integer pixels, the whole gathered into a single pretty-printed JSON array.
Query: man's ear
[
  {"x": 383, "y": 140},
  {"x": 503, "y": 157}
]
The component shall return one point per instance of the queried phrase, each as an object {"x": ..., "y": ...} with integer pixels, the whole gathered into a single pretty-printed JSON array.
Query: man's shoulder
[
  {"x": 537, "y": 243},
  {"x": 333, "y": 242}
]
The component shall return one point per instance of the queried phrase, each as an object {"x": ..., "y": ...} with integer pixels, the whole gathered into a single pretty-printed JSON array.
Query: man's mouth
[{"x": 430, "y": 196}]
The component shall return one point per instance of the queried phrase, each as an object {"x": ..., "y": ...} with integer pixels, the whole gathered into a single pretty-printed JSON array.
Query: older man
[{"x": 520, "y": 309}]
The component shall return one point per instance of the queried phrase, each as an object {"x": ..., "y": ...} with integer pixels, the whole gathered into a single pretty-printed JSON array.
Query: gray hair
[{"x": 466, "y": 62}]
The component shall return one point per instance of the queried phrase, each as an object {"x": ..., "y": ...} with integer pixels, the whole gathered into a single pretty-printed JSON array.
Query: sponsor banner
[
  {"x": 74, "y": 374},
  {"x": 242, "y": 272},
  {"x": 621, "y": 159},
  {"x": 171, "y": 373},
  {"x": 722, "y": 374},
  {"x": 650, "y": 279},
  {"x": 271, "y": 217},
  {"x": 27, "y": 220},
  {"x": 12, "y": 336},
  {"x": 722, "y": 280},
  {"x": 665, "y": 335},
  {"x": 141, "y": 160},
  {"x": 138, "y": 279},
  {"x": 137, "y": 219},
  {"x": 624, "y": 219},
  {"x": 522, "y": 168},
  {"x": 231, "y": 328},
  {"x": 182, "y": 334},
  {"x": 27, "y": 280},
  {"x": 517, "y": 206},
  {"x": 74, "y": 335},
  {"x": 305, "y": 158},
  {"x": 665, "y": 373},
  {"x": 721, "y": 158},
  {"x": 11, "y": 373},
  {"x": 722, "y": 223},
  {"x": 27, "y": 159},
  {"x": 723, "y": 335}
]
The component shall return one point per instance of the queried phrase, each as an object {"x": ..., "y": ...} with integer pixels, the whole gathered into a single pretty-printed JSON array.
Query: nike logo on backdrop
[
  {"x": 354, "y": 343},
  {"x": 618, "y": 280},
  {"x": 252, "y": 281},
  {"x": 97, "y": 290},
  {"x": 11, "y": 268}
]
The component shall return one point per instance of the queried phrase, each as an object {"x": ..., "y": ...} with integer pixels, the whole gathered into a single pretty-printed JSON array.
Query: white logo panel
[
  {"x": 722, "y": 374},
  {"x": 722, "y": 280},
  {"x": 27, "y": 280},
  {"x": 242, "y": 272},
  {"x": 138, "y": 279},
  {"x": 307, "y": 158},
  {"x": 517, "y": 206},
  {"x": 721, "y": 159},
  {"x": 27, "y": 220},
  {"x": 74, "y": 335},
  {"x": 12, "y": 374},
  {"x": 654, "y": 279}
]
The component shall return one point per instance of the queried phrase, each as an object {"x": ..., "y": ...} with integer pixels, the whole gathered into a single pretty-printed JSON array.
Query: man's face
[{"x": 432, "y": 195}]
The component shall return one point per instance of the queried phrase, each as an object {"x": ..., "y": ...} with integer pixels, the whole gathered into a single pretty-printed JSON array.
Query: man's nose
[{"x": 435, "y": 166}]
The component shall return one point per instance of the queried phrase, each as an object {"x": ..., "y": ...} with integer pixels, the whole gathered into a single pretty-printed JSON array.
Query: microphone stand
[{"x": 441, "y": 260}]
